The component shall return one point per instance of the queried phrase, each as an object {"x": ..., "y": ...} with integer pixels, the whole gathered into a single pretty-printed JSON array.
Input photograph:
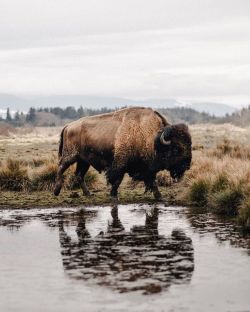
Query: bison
[{"x": 138, "y": 141}]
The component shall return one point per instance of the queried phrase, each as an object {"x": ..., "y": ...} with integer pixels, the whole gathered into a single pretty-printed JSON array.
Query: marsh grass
[
  {"x": 13, "y": 176},
  {"x": 220, "y": 185},
  {"x": 37, "y": 175},
  {"x": 198, "y": 192},
  {"x": 43, "y": 178},
  {"x": 244, "y": 213}
]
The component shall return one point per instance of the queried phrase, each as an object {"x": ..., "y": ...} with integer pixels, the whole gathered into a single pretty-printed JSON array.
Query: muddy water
[{"x": 125, "y": 258}]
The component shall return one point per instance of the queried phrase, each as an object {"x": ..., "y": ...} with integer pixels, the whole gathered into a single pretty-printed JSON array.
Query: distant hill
[
  {"x": 239, "y": 118},
  {"x": 216, "y": 109},
  {"x": 22, "y": 103}
]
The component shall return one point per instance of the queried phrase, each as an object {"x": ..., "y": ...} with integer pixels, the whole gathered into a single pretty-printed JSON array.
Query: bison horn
[{"x": 163, "y": 141}]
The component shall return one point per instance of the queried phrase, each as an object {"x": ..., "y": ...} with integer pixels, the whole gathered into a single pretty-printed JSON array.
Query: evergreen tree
[
  {"x": 8, "y": 115},
  {"x": 70, "y": 112},
  {"x": 31, "y": 116},
  {"x": 17, "y": 116},
  {"x": 80, "y": 112}
]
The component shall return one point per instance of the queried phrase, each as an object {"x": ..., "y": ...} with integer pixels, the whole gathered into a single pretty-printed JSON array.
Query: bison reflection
[{"x": 140, "y": 259}]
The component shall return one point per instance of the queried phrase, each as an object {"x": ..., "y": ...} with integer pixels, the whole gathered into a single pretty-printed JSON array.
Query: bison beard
[{"x": 137, "y": 141}]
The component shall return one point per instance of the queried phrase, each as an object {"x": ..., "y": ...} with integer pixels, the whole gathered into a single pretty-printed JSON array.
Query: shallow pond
[{"x": 125, "y": 258}]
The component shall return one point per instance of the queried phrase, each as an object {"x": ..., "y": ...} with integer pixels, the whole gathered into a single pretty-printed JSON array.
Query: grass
[
  {"x": 220, "y": 185},
  {"x": 232, "y": 149},
  {"x": 13, "y": 176},
  {"x": 39, "y": 176},
  {"x": 43, "y": 178},
  {"x": 198, "y": 192},
  {"x": 101, "y": 197}
]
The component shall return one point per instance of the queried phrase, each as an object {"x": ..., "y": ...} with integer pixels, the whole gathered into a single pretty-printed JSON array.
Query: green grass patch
[{"x": 198, "y": 192}]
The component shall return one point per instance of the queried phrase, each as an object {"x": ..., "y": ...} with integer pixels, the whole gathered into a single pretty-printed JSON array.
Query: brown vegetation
[
  {"x": 220, "y": 182},
  {"x": 38, "y": 175}
]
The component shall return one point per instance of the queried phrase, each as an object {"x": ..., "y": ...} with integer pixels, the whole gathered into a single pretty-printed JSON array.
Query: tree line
[
  {"x": 178, "y": 114},
  {"x": 69, "y": 112}
]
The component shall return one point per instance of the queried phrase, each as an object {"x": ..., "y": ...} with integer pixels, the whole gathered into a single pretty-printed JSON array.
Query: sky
[{"x": 190, "y": 50}]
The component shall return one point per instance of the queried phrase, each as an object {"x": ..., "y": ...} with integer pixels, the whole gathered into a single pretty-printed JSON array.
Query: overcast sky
[{"x": 191, "y": 50}]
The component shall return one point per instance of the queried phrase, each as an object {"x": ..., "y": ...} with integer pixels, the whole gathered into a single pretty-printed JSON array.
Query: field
[{"x": 219, "y": 180}]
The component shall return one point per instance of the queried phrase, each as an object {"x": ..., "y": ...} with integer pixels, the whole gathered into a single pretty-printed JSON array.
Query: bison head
[{"x": 174, "y": 148}]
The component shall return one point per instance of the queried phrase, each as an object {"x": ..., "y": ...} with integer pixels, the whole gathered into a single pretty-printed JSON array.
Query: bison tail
[{"x": 61, "y": 143}]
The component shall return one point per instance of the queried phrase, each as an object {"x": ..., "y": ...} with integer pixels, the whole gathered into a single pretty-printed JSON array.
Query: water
[{"x": 125, "y": 258}]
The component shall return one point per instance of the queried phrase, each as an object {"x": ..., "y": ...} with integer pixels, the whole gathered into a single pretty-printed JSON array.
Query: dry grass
[
  {"x": 163, "y": 178},
  {"x": 6, "y": 130},
  {"x": 38, "y": 176},
  {"x": 230, "y": 148},
  {"x": 221, "y": 185},
  {"x": 43, "y": 178},
  {"x": 13, "y": 176},
  {"x": 219, "y": 180}
]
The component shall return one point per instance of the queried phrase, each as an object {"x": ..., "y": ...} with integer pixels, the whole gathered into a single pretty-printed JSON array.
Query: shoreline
[
  {"x": 171, "y": 196},
  {"x": 46, "y": 199}
]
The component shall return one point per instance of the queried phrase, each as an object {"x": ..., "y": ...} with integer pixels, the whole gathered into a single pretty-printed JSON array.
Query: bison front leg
[
  {"x": 114, "y": 177},
  {"x": 81, "y": 169},
  {"x": 151, "y": 185}
]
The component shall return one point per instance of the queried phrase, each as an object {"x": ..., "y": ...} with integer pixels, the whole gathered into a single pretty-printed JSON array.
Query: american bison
[{"x": 138, "y": 141}]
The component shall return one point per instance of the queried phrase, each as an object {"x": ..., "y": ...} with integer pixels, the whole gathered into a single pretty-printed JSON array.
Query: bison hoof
[
  {"x": 88, "y": 194},
  {"x": 158, "y": 196},
  {"x": 114, "y": 198},
  {"x": 57, "y": 191}
]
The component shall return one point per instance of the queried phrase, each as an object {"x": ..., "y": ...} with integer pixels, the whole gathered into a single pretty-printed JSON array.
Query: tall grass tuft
[
  {"x": 226, "y": 202},
  {"x": 244, "y": 213},
  {"x": 38, "y": 175},
  {"x": 219, "y": 184},
  {"x": 13, "y": 177},
  {"x": 198, "y": 192},
  {"x": 44, "y": 177}
]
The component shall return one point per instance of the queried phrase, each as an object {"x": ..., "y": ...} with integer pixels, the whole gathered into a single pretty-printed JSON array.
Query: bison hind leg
[{"x": 64, "y": 164}]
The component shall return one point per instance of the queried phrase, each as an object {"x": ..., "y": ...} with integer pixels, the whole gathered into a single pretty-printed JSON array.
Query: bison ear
[{"x": 165, "y": 137}]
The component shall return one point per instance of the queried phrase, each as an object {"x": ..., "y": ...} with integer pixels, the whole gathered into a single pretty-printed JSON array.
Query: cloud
[{"x": 91, "y": 49}]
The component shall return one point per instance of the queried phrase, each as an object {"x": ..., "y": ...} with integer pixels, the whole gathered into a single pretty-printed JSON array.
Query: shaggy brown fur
[{"x": 127, "y": 132}]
